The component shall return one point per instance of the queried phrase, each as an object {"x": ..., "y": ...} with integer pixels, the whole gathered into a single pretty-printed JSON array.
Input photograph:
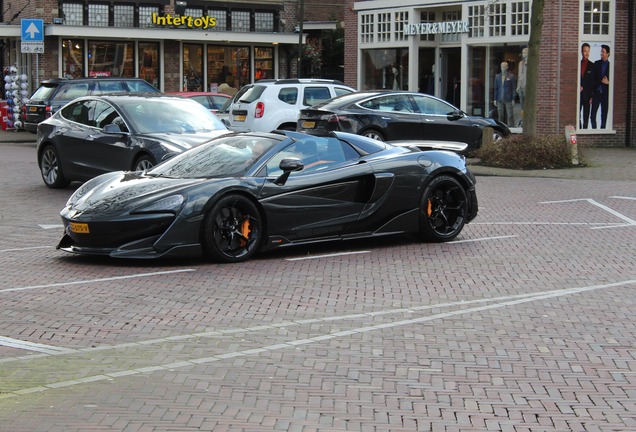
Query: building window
[
  {"x": 427, "y": 17},
  {"x": 149, "y": 62},
  {"x": 476, "y": 21},
  {"x": 73, "y": 14},
  {"x": 264, "y": 22},
  {"x": 385, "y": 69},
  {"x": 192, "y": 67},
  {"x": 366, "y": 28},
  {"x": 497, "y": 16},
  {"x": 195, "y": 13},
  {"x": 221, "y": 19},
  {"x": 124, "y": 16},
  {"x": 240, "y": 21},
  {"x": 107, "y": 59},
  {"x": 454, "y": 15},
  {"x": 384, "y": 27},
  {"x": 145, "y": 15},
  {"x": 520, "y": 17},
  {"x": 73, "y": 58},
  {"x": 98, "y": 15},
  {"x": 596, "y": 17},
  {"x": 401, "y": 18}
]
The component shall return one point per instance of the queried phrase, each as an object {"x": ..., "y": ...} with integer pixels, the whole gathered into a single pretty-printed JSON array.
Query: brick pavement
[{"x": 486, "y": 333}]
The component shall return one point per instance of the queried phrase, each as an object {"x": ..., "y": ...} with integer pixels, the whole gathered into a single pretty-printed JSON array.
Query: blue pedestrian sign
[
  {"x": 32, "y": 30},
  {"x": 32, "y": 36}
]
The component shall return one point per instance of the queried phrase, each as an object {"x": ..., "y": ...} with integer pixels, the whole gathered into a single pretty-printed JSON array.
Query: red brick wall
[{"x": 351, "y": 45}]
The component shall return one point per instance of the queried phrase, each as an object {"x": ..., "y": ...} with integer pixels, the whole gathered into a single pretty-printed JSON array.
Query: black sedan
[
  {"x": 96, "y": 134},
  {"x": 246, "y": 192},
  {"x": 395, "y": 116}
]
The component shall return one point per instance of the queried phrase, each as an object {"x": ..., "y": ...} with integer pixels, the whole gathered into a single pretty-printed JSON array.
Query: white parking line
[
  {"x": 326, "y": 255},
  {"x": 25, "y": 249},
  {"x": 597, "y": 204},
  {"x": 87, "y": 281},
  {"x": 31, "y": 346},
  {"x": 482, "y": 239},
  {"x": 625, "y": 198},
  {"x": 51, "y": 226},
  {"x": 501, "y": 302}
]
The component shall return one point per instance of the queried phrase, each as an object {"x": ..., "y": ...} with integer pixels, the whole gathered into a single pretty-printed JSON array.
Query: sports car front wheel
[
  {"x": 443, "y": 209},
  {"x": 232, "y": 230}
]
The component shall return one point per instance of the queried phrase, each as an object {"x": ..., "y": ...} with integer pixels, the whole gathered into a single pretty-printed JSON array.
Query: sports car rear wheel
[
  {"x": 51, "y": 169},
  {"x": 232, "y": 230},
  {"x": 443, "y": 210}
]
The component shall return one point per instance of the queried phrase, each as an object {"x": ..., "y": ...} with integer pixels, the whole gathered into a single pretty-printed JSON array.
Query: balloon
[
  {"x": 23, "y": 77},
  {"x": 18, "y": 124}
]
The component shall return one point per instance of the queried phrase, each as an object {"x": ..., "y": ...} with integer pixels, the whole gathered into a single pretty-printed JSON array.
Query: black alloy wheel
[
  {"x": 232, "y": 230},
  {"x": 50, "y": 168},
  {"x": 443, "y": 209}
]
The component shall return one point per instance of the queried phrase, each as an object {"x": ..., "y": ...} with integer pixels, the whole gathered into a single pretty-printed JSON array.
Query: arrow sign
[{"x": 32, "y": 30}]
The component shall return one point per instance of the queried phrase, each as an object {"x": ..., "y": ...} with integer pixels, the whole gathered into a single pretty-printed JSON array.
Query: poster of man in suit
[{"x": 595, "y": 88}]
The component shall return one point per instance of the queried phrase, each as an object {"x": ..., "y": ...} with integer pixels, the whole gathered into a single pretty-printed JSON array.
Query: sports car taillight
[{"x": 260, "y": 110}]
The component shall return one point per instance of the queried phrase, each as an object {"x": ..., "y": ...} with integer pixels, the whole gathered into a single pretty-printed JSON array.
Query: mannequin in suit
[
  {"x": 601, "y": 88},
  {"x": 505, "y": 85},
  {"x": 586, "y": 86},
  {"x": 521, "y": 76}
]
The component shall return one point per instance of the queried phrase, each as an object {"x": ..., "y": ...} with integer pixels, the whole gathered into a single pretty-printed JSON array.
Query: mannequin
[
  {"x": 521, "y": 81},
  {"x": 505, "y": 85}
]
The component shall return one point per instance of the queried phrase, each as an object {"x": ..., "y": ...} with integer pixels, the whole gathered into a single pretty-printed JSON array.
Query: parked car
[
  {"x": 245, "y": 192},
  {"x": 398, "y": 115},
  {"x": 53, "y": 94},
  {"x": 97, "y": 134},
  {"x": 210, "y": 100},
  {"x": 268, "y": 105}
]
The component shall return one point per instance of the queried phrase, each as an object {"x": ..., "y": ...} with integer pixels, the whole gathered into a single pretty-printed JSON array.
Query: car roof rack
[{"x": 299, "y": 81}]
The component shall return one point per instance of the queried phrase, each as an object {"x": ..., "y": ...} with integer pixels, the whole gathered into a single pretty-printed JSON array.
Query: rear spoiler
[{"x": 454, "y": 146}]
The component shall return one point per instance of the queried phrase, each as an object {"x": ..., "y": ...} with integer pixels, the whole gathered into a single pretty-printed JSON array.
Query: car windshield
[
  {"x": 228, "y": 156},
  {"x": 174, "y": 115},
  {"x": 44, "y": 93}
]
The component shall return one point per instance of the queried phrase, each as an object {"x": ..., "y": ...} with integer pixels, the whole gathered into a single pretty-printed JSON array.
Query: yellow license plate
[
  {"x": 33, "y": 109},
  {"x": 308, "y": 124},
  {"x": 78, "y": 228},
  {"x": 239, "y": 118}
]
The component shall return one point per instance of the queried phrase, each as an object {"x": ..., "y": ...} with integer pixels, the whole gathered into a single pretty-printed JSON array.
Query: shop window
[
  {"x": 520, "y": 18},
  {"x": 192, "y": 67},
  {"x": 263, "y": 61},
  {"x": 124, "y": 16},
  {"x": 427, "y": 17},
  {"x": 476, "y": 21},
  {"x": 596, "y": 17},
  {"x": 110, "y": 59},
  {"x": 73, "y": 58},
  {"x": 401, "y": 18},
  {"x": 384, "y": 69},
  {"x": 384, "y": 27},
  {"x": 240, "y": 21},
  {"x": 453, "y": 15},
  {"x": 97, "y": 15},
  {"x": 149, "y": 62},
  {"x": 229, "y": 67},
  {"x": 73, "y": 14},
  {"x": 145, "y": 15},
  {"x": 221, "y": 19},
  {"x": 366, "y": 28},
  {"x": 497, "y": 17},
  {"x": 264, "y": 22}
]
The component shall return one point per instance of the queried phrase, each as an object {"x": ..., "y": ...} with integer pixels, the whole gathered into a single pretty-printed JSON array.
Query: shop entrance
[{"x": 450, "y": 73}]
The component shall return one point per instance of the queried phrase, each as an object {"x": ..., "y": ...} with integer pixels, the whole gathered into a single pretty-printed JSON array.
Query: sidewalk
[{"x": 602, "y": 163}]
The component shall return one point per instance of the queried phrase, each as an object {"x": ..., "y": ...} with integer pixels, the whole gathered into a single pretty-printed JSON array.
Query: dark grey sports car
[{"x": 245, "y": 192}]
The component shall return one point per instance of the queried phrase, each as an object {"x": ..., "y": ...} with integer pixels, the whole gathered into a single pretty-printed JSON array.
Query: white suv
[{"x": 268, "y": 105}]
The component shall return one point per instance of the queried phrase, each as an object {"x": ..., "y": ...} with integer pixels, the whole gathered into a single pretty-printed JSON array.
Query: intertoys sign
[{"x": 203, "y": 22}]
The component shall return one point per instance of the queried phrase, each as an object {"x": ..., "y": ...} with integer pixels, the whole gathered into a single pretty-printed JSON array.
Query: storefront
[
  {"x": 473, "y": 53},
  {"x": 201, "y": 48}
]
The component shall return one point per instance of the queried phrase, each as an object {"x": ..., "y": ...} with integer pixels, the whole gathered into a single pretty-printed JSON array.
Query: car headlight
[{"x": 170, "y": 204}]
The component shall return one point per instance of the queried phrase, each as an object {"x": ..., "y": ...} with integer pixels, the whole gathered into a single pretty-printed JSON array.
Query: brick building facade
[{"x": 489, "y": 33}]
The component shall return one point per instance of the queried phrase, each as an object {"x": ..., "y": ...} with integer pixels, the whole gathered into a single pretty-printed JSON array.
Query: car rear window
[
  {"x": 140, "y": 87},
  {"x": 44, "y": 93},
  {"x": 252, "y": 94},
  {"x": 70, "y": 91},
  {"x": 314, "y": 95}
]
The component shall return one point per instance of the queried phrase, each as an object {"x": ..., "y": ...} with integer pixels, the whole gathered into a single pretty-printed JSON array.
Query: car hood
[
  {"x": 119, "y": 193},
  {"x": 184, "y": 141}
]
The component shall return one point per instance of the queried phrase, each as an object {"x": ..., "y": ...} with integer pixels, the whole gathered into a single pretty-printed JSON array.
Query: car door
[
  {"x": 443, "y": 121},
  {"x": 86, "y": 147},
  {"x": 322, "y": 200},
  {"x": 394, "y": 116}
]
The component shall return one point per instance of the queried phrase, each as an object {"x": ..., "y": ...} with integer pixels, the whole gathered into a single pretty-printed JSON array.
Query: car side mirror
[
  {"x": 288, "y": 166},
  {"x": 455, "y": 115},
  {"x": 112, "y": 129}
]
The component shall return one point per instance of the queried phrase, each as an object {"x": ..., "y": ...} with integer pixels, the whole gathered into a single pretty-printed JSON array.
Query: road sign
[
  {"x": 32, "y": 30},
  {"x": 32, "y": 36}
]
